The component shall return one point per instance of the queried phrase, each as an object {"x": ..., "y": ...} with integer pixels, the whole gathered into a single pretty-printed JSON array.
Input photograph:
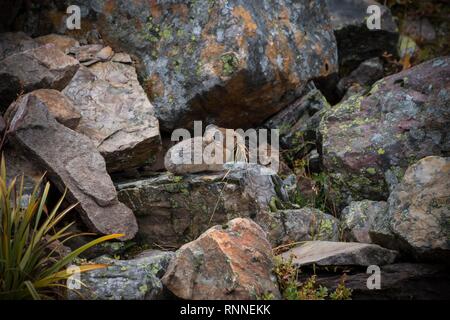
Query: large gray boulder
[
  {"x": 19, "y": 166},
  {"x": 229, "y": 62},
  {"x": 116, "y": 114},
  {"x": 42, "y": 67},
  {"x": 71, "y": 161},
  {"x": 360, "y": 217},
  {"x": 296, "y": 225},
  {"x": 136, "y": 279},
  {"x": 370, "y": 140}
]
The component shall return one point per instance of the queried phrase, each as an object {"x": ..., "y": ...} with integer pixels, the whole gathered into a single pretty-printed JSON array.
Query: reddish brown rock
[
  {"x": 42, "y": 67},
  {"x": 229, "y": 262},
  {"x": 73, "y": 162},
  {"x": 59, "y": 106}
]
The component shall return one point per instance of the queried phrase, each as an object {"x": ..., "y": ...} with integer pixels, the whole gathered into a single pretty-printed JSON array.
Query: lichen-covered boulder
[
  {"x": 369, "y": 140},
  {"x": 299, "y": 122},
  {"x": 172, "y": 210},
  {"x": 362, "y": 78},
  {"x": 41, "y": 67},
  {"x": 359, "y": 218},
  {"x": 356, "y": 42},
  {"x": 419, "y": 212},
  {"x": 20, "y": 166},
  {"x": 229, "y": 62},
  {"x": 295, "y": 225},
  {"x": 136, "y": 279},
  {"x": 116, "y": 114},
  {"x": 229, "y": 262}
]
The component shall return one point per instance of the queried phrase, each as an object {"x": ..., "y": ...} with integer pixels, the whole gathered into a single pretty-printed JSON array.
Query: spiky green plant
[{"x": 29, "y": 268}]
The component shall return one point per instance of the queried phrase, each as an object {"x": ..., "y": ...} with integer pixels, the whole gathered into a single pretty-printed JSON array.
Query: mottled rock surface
[
  {"x": 42, "y": 67},
  {"x": 72, "y": 162},
  {"x": 61, "y": 42},
  {"x": 173, "y": 210},
  {"x": 116, "y": 114},
  {"x": 369, "y": 140},
  {"x": 233, "y": 63},
  {"x": 299, "y": 122},
  {"x": 15, "y": 42},
  {"x": 356, "y": 42},
  {"x": 359, "y": 218},
  {"x": 326, "y": 253},
  {"x": 136, "y": 279},
  {"x": 306, "y": 224},
  {"x": 419, "y": 211},
  {"x": 229, "y": 262}
]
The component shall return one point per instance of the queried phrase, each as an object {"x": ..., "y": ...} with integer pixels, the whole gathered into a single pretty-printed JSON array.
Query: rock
[
  {"x": 59, "y": 106},
  {"x": 298, "y": 123},
  {"x": 326, "y": 253},
  {"x": 61, "y": 42},
  {"x": 306, "y": 224},
  {"x": 105, "y": 54},
  {"x": 122, "y": 57},
  {"x": 10, "y": 9},
  {"x": 72, "y": 162},
  {"x": 19, "y": 165},
  {"x": 400, "y": 281},
  {"x": 116, "y": 114},
  {"x": 173, "y": 210},
  {"x": 160, "y": 260},
  {"x": 356, "y": 42},
  {"x": 136, "y": 279},
  {"x": 88, "y": 54},
  {"x": 15, "y": 42},
  {"x": 42, "y": 67},
  {"x": 419, "y": 210},
  {"x": 361, "y": 78},
  {"x": 421, "y": 30},
  {"x": 359, "y": 218},
  {"x": 369, "y": 140},
  {"x": 229, "y": 262},
  {"x": 230, "y": 63}
]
